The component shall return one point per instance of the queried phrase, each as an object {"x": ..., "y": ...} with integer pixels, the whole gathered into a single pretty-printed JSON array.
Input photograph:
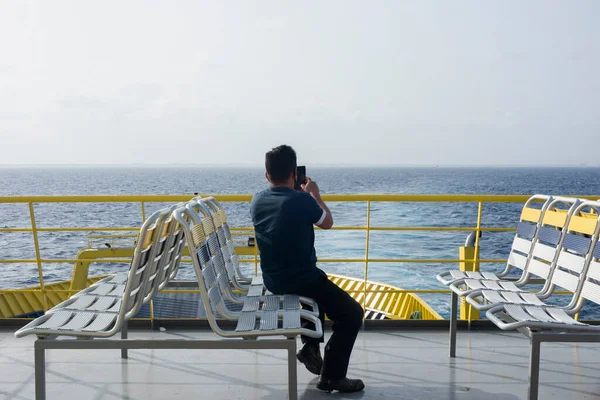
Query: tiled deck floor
[{"x": 394, "y": 364}]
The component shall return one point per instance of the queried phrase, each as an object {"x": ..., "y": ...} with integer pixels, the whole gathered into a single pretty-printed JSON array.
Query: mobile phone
[{"x": 300, "y": 177}]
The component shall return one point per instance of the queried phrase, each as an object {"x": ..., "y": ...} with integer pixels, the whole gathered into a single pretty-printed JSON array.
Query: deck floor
[{"x": 394, "y": 364}]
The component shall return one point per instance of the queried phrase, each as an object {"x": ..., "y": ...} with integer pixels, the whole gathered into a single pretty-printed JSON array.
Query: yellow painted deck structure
[
  {"x": 384, "y": 300},
  {"x": 29, "y": 300}
]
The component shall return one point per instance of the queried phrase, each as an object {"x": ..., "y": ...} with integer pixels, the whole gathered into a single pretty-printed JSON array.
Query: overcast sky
[{"x": 360, "y": 82}]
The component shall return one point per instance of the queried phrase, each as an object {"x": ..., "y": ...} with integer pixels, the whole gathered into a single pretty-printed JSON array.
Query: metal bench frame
[
  {"x": 544, "y": 293},
  {"x": 540, "y": 332},
  {"x": 52, "y": 341},
  {"x": 41, "y": 345},
  {"x": 536, "y": 339}
]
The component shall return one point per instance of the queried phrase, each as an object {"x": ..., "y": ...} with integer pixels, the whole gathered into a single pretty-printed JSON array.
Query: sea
[{"x": 21, "y": 181}]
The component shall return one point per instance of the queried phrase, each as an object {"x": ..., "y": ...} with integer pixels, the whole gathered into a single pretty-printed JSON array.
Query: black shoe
[
  {"x": 344, "y": 385},
  {"x": 310, "y": 356}
]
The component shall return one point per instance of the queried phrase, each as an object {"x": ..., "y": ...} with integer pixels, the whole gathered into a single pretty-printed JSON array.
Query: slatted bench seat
[
  {"x": 578, "y": 271},
  {"x": 539, "y": 233}
]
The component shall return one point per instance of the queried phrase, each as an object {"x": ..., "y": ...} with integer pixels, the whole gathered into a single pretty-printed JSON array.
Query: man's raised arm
[{"x": 312, "y": 188}]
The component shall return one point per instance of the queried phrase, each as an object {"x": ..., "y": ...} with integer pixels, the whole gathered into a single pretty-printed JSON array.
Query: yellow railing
[{"x": 368, "y": 199}]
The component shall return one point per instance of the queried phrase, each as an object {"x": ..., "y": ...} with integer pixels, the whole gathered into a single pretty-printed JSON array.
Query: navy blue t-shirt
[{"x": 283, "y": 223}]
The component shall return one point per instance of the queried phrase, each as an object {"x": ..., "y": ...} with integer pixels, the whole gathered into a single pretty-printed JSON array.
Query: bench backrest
[
  {"x": 209, "y": 256},
  {"x": 575, "y": 248},
  {"x": 198, "y": 232},
  {"x": 146, "y": 256},
  {"x": 169, "y": 258},
  {"x": 548, "y": 241},
  {"x": 226, "y": 242},
  {"x": 577, "y": 266},
  {"x": 172, "y": 266},
  {"x": 527, "y": 230},
  {"x": 591, "y": 283},
  {"x": 214, "y": 234}
]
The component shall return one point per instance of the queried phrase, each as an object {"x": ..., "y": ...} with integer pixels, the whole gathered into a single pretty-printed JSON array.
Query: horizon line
[{"x": 320, "y": 165}]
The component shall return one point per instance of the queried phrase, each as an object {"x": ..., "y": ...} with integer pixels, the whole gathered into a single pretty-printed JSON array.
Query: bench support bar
[
  {"x": 124, "y": 354},
  {"x": 41, "y": 345},
  {"x": 537, "y": 338},
  {"x": 453, "y": 322},
  {"x": 40, "y": 371}
]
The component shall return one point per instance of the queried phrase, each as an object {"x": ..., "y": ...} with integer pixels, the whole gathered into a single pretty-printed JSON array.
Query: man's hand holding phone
[
  {"x": 307, "y": 185},
  {"x": 311, "y": 187}
]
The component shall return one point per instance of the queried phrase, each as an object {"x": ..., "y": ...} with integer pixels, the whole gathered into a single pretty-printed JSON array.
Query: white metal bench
[
  {"x": 102, "y": 312},
  {"x": 269, "y": 316},
  {"x": 578, "y": 270},
  {"x": 528, "y": 247}
]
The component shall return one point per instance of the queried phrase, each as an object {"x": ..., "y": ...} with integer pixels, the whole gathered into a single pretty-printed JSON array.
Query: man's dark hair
[{"x": 280, "y": 163}]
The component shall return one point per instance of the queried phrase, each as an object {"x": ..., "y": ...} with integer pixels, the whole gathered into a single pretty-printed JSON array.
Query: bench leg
[
  {"x": 124, "y": 354},
  {"x": 534, "y": 368},
  {"x": 453, "y": 322},
  {"x": 40, "y": 371},
  {"x": 292, "y": 372}
]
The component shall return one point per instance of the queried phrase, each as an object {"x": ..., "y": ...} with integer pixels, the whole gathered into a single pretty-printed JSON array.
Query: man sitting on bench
[{"x": 283, "y": 221}]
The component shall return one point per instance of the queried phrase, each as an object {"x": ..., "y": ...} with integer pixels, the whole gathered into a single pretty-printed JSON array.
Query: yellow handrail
[
  {"x": 161, "y": 198},
  {"x": 143, "y": 200}
]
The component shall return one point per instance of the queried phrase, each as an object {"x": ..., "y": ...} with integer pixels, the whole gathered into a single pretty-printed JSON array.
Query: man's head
[{"x": 281, "y": 165}]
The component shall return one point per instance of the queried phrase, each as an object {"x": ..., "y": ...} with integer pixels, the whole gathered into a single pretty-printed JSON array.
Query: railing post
[
  {"x": 366, "y": 274},
  {"x": 38, "y": 257},
  {"x": 80, "y": 272},
  {"x": 467, "y": 254},
  {"x": 470, "y": 255}
]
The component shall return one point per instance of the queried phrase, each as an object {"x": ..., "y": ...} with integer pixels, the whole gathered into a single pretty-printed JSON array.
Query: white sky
[{"x": 369, "y": 82}]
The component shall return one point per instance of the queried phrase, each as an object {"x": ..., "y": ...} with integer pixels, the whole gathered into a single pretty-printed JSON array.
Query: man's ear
[{"x": 267, "y": 176}]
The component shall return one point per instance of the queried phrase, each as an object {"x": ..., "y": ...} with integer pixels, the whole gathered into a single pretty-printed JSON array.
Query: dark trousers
[{"x": 346, "y": 315}]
